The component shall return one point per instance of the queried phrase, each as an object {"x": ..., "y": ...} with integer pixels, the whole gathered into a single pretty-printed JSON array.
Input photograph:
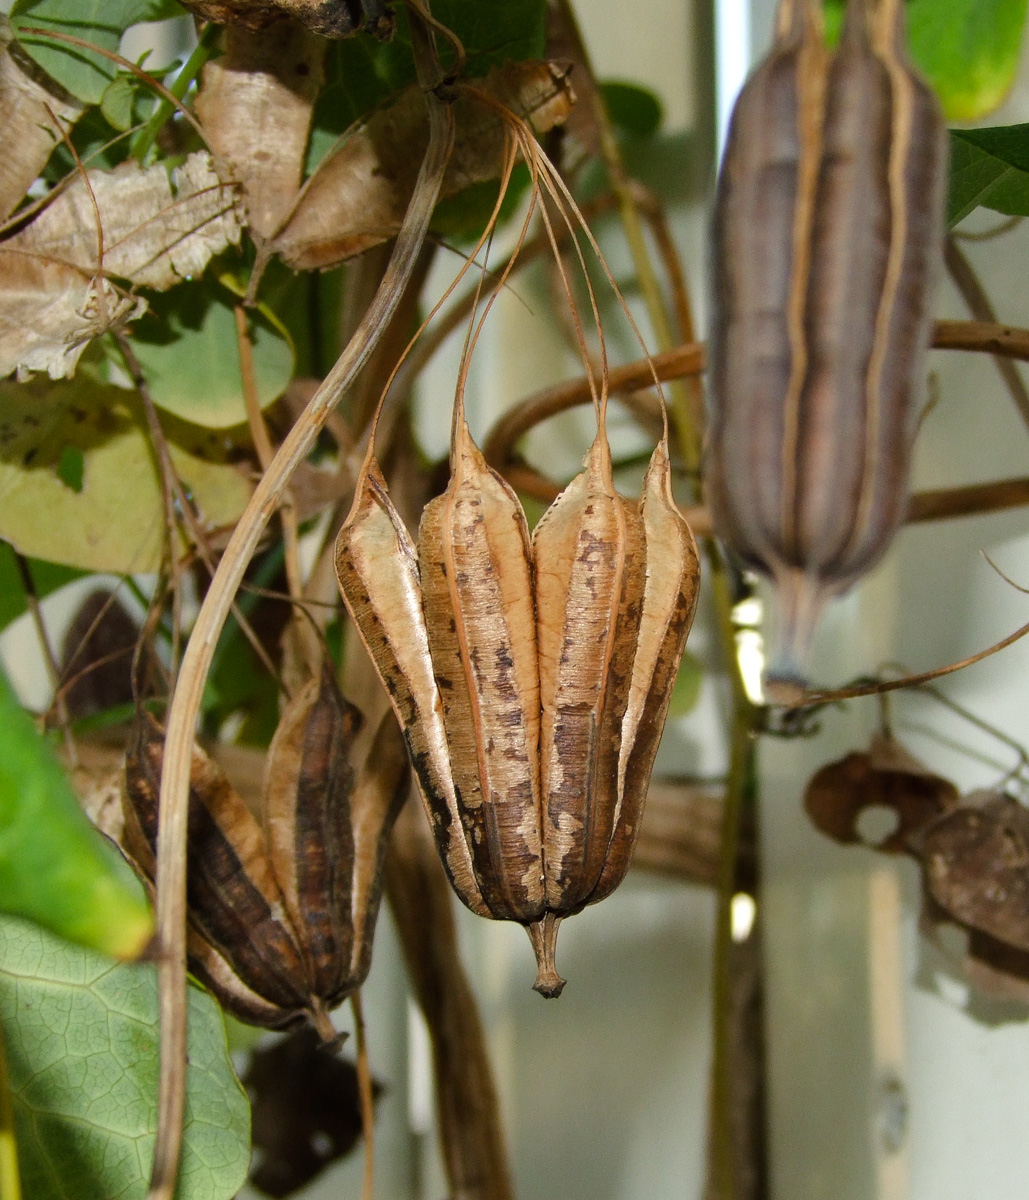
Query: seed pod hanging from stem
[
  {"x": 280, "y": 918},
  {"x": 531, "y": 676},
  {"x": 827, "y": 234}
]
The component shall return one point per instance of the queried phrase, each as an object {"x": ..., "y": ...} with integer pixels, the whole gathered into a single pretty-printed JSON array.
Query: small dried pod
[
  {"x": 976, "y": 866},
  {"x": 280, "y": 919},
  {"x": 531, "y": 676},
  {"x": 884, "y": 777},
  {"x": 827, "y": 234}
]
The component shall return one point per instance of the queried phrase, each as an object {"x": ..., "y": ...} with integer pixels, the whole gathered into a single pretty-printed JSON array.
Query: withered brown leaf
[
  {"x": 32, "y": 121},
  {"x": 884, "y": 776},
  {"x": 255, "y": 105},
  {"x": 357, "y": 197}
]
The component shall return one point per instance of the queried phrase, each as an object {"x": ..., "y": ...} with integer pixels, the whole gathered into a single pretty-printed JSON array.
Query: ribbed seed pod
[
  {"x": 533, "y": 680},
  {"x": 280, "y": 920},
  {"x": 827, "y": 233}
]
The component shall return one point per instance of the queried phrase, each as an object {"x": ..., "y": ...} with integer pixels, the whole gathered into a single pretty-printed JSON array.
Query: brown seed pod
[
  {"x": 280, "y": 920},
  {"x": 531, "y": 678},
  {"x": 827, "y": 233},
  {"x": 976, "y": 864},
  {"x": 885, "y": 776}
]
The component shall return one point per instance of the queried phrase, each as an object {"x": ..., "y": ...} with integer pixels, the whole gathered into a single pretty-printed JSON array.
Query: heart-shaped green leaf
[{"x": 82, "y": 1049}]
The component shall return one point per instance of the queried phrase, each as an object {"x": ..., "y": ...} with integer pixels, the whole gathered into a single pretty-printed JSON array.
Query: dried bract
[
  {"x": 280, "y": 919},
  {"x": 531, "y": 678},
  {"x": 827, "y": 233}
]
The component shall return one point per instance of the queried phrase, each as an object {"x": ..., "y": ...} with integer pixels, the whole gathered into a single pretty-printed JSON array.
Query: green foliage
[
  {"x": 54, "y": 867},
  {"x": 967, "y": 49},
  {"x": 116, "y": 521},
  {"x": 686, "y": 689},
  {"x": 989, "y": 167},
  {"x": 81, "y": 1037},
  {"x": 188, "y": 348},
  {"x": 46, "y": 578},
  {"x": 633, "y": 109},
  {"x": 100, "y": 22}
]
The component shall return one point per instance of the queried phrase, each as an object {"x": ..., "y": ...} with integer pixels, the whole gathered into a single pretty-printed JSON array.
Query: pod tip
[{"x": 543, "y": 935}]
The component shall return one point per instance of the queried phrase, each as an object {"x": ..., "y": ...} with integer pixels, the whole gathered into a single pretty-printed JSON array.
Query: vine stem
[
  {"x": 367, "y": 1093},
  {"x": 185, "y": 704}
]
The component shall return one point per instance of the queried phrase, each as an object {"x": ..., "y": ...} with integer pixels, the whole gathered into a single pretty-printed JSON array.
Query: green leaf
[
  {"x": 70, "y": 467},
  {"x": 967, "y": 49},
  {"x": 989, "y": 167},
  {"x": 47, "y": 577},
  {"x": 117, "y": 522},
  {"x": 634, "y": 109},
  {"x": 55, "y": 868},
  {"x": 187, "y": 346},
  {"x": 81, "y": 1037},
  {"x": 100, "y": 22},
  {"x": 463, "y": 217},
  {"x": 686, "y": 689}
]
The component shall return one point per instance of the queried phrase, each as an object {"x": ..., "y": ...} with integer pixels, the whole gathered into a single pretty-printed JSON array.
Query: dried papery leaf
[
  {"x": 357, "y": 197},
  {"x": 590, "y": 558},
  {"x": 885, "y": 777},
  {"x": 157, "y": 230},
  {"x": 976, "y": 864},
  {"x": 255, "y": 105},
  {"x": 234, "y": 900},
  {"x": 329, "y": 18},
  {"x": 476, "y": 575},
  {"x": 670, "y": 595},
  {"x": 307, "y": 825},
  {"x": 50, "y": 312},
  {"x": 377, "y": 569},
  {"x": 28, "y": 132}
]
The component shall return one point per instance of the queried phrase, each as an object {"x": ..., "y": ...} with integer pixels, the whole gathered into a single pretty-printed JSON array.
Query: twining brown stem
[
  {"x": 813, "y": 697},
  {"x": 367, "y": 1093},
  {"x": 470, "y": 1130},
  {"x": 682, "y": 361},
  {"x": 185, "y": 706},
  {"x": 974, "y": 294}
]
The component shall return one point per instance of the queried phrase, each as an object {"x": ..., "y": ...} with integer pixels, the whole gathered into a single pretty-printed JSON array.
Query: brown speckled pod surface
[
  {"x": 827, "y": 233},
  {"x": 531, "y": 677}
]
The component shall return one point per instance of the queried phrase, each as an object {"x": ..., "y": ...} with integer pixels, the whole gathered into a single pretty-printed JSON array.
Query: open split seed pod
[
  {"x": 280, "y": 918},
  {"x": 531, "y": 677}
]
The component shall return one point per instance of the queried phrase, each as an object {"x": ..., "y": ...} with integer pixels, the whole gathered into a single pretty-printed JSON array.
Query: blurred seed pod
[
  {"x": 827, "y": 234},
  {"x": 280, "y": 919},
  {"x": 885, "y": 777},
  {"x": 531, "y": 677}
]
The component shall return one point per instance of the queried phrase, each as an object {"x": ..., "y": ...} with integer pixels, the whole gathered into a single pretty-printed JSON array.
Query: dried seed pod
[
  {"x": 885, "y": 776},
  {"x": 827, "y": 233},
  {"x": 976, "y": 864},
  {"x": 280, "y": 920},
  {"x": 531, "y": 679}
]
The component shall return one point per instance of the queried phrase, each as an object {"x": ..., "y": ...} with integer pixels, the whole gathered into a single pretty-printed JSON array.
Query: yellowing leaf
[{"x": 116, "y": 522}]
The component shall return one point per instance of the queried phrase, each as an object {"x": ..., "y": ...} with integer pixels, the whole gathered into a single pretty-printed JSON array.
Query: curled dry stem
[{"x": 185, "y": 706}]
